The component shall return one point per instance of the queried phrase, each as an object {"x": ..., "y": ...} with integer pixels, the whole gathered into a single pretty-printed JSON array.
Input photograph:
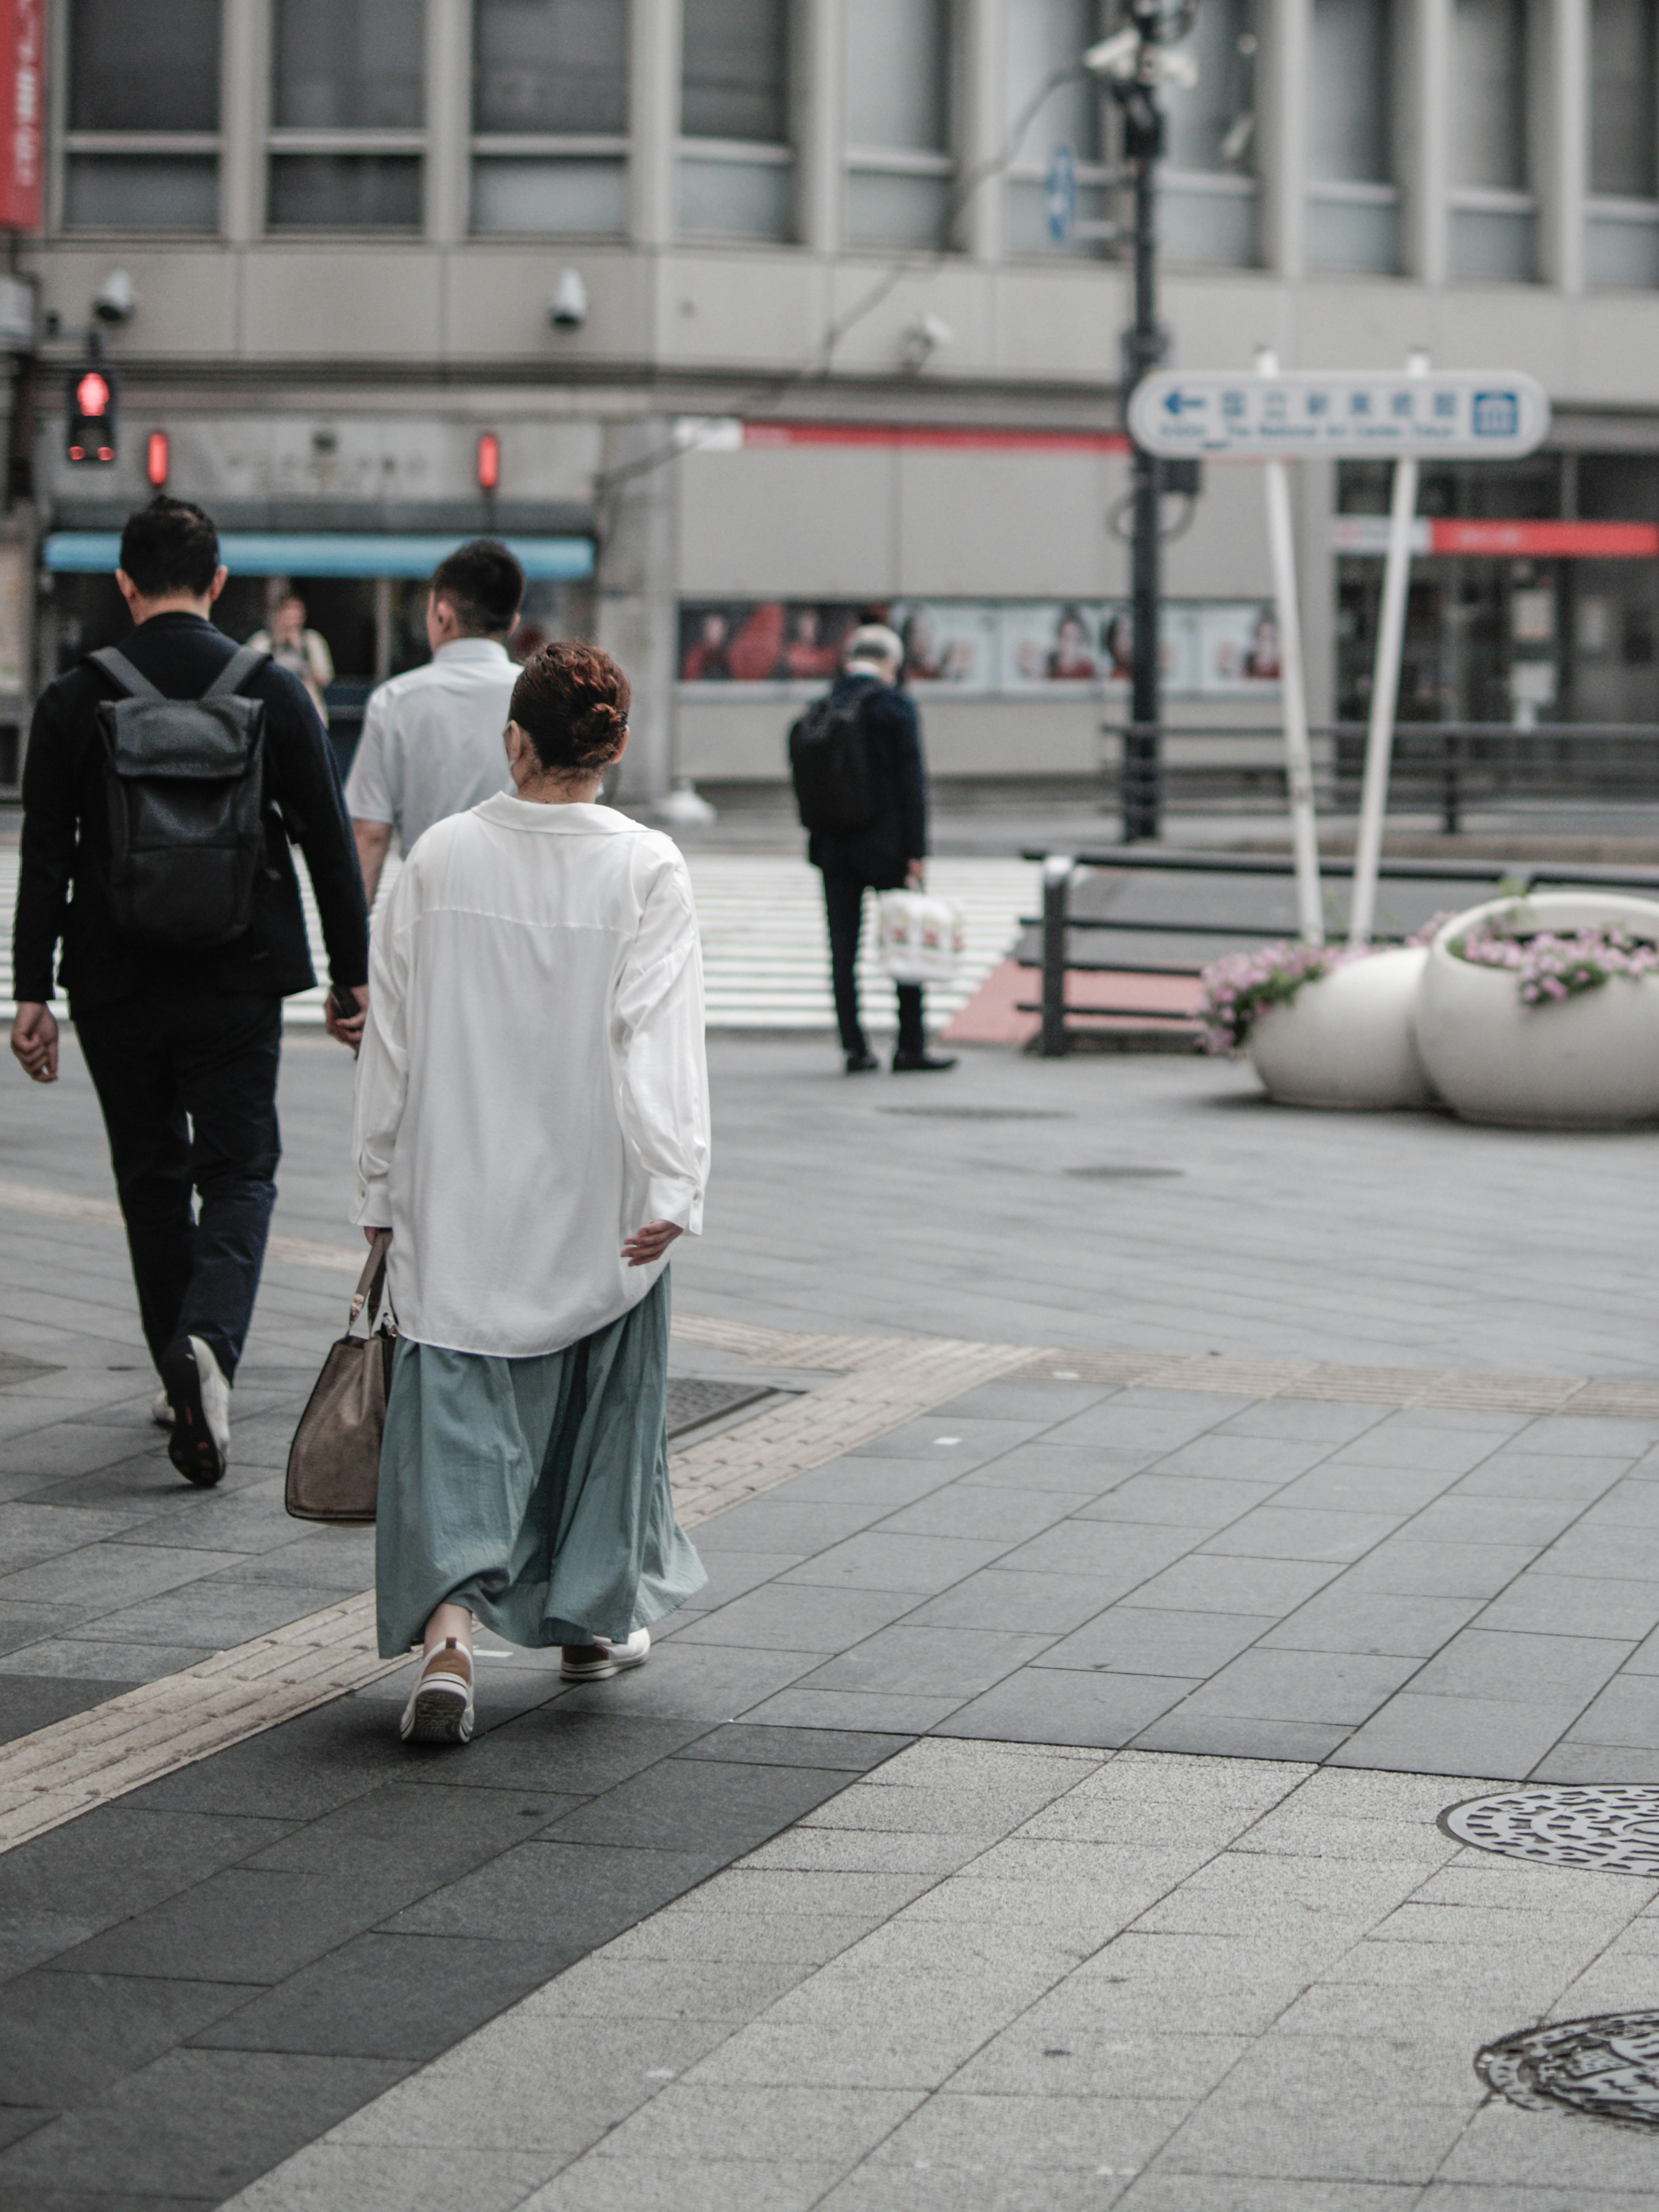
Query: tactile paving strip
[
  {"x": 1613, "y": 1830},
  {"x": 1607, "y": 2067}
]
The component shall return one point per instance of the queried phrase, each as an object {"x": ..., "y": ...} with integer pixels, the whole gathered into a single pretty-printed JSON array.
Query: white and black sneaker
[{"x": 200, "y": 1397}]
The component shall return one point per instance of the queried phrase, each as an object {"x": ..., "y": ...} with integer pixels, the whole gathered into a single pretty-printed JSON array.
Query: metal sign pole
[
  {"x": 1299, "y": 759},
  {"x": 1385, "y": 690}
]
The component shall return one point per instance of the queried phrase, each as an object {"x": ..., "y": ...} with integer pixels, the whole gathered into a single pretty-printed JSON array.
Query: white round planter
[
  {"x": 1345, "y": 1038},
  {"x": 1589, "y": 1062}
]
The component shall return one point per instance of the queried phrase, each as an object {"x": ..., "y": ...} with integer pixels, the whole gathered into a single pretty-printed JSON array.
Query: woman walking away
[{"x": 532, "y": 1126}]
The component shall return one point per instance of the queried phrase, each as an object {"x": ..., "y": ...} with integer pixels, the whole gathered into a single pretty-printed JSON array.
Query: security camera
[
  {"x": 567, "y": 308},
  {"x": 115, "y": 299},
  {"x": 924, "y": 338}
]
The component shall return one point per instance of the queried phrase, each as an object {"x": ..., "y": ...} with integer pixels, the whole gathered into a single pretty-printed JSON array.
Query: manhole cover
[
  {"x": 1124, "y": 1175},
  {"x": 695, "y": 1399},
  {"x": 1615, "y": 1830},
  {"x": 1607, "y": 2067},
  {"x": 982, "y": 1113}
]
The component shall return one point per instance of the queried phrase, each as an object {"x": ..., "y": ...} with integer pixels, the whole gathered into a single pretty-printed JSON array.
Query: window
[
  {"x": 142, "y": 145},
  {"x": 1045, "y": 36},
  {"x": 736, "y": 174},
  {"x": 549, "y": 116},
  {"x": 1354, "y": 206},
  {"x": 1492, "y": 209},
  {"x": 1208, "y": 211},
  {"x": 898, "y": 134},
  {"x": 348, "y": 114},
  {"x": 1623, "y": 243}
]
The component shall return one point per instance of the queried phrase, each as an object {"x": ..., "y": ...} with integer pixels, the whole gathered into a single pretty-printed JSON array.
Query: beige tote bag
[{"x": 334, "y": 1462}]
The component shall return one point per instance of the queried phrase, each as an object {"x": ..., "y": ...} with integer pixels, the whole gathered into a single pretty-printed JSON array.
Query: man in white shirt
[{"x": 431, "y": 738}]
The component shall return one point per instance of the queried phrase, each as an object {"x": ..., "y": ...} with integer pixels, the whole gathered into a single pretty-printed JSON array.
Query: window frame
[
  {"x": 358, "y": 140},
  {"x": 65, "y": 144}
]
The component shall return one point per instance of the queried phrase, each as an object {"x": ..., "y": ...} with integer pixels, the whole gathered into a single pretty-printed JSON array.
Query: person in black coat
[
  {"x": 887, "y": 853},
  {"x": 182, "y": 1044}
]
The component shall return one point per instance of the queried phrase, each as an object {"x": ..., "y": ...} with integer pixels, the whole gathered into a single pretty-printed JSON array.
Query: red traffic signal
[
  {"x": 156, "y": 457},
  {"x": 92, "y": 395},
  {"x": 489, "y": 460}
]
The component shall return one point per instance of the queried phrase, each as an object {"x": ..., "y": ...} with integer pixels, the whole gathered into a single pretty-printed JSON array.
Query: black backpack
[
  {"x": 830, "y": 767},
  {"x": 184, "y": 780}
]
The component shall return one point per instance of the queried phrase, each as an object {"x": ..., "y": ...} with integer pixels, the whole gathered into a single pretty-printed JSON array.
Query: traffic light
[{"x": 92, "y": 397}]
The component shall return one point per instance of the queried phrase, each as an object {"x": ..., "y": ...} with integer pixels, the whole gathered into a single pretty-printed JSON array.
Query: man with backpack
[
  {"x": 161, "y": 787},
  {"x": 855, "y": 759}
]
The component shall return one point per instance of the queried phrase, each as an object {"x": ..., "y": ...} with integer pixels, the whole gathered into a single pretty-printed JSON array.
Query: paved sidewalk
[
  {"x": 1107, "y": 1714},
  {"x": 994, "y": 1979}
]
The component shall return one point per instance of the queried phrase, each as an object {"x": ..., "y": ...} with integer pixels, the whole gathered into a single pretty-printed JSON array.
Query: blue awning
[{"x": 328, "y": 553}]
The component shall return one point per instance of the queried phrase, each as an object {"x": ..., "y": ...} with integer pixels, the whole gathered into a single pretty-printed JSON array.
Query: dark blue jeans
[{"x": 188, "y": 1087}]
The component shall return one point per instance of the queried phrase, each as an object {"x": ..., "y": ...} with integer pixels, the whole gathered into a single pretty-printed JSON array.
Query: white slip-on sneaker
[
  {"x": 439, "y": 1707},
  {"x": 199, "y": 1394},
  {"x": 612, "y": 1659}
]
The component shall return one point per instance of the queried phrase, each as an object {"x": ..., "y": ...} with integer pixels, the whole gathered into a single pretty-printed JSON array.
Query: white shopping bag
[{"x": 919, "y": 937}]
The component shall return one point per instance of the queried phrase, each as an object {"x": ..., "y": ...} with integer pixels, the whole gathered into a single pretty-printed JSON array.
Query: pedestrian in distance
[
  {"x": 532, "y": 1128},
  {"x": 431, "y": 744},
  {"x": 304, "y": 653},
  {"x": 161, "y": 787},
  {"x": 861, "y": 788}
]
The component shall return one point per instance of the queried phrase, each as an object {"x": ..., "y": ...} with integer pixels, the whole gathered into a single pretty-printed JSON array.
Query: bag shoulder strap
[
  {"x": 371, "y": 1284},
  {"x": 241, "y": 664},
  {"x": 117, "y": 666}
]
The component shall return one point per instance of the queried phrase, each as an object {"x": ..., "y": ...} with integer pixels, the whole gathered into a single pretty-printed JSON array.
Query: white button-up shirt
[
  {"x": 533, "y": 1086},
  {"x": 431, "y": 744}
]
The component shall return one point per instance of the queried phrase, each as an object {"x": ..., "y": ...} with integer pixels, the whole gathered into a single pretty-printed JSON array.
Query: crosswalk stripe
[{"x": 766, "y": 958}]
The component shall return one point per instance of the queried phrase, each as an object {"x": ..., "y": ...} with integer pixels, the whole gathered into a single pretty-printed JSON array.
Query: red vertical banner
[{"x": 22, "y": 108}]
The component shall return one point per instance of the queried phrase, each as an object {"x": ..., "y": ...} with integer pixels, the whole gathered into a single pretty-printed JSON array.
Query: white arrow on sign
[{"x": 1462, "y": 415}]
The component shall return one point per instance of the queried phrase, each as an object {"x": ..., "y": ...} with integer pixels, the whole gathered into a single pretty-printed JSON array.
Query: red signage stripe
[
  {"x": 984, "y": 441},
  {"x": 1591, "y": 541}
]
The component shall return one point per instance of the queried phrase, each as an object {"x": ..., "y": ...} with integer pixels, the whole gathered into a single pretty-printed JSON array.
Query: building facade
[{"x": 747, "y": 315}]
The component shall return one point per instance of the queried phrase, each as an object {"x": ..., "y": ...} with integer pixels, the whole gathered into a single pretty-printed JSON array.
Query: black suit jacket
[{"x": 61, "y": 894}]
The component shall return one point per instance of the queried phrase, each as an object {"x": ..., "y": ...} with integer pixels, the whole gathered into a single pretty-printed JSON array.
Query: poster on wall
[
  {"x": 996, "y": 646},
  {"x": 763, "y": 641},
  {"x": 948, "y": 642},
  {"x": 1238, "y": 648}
]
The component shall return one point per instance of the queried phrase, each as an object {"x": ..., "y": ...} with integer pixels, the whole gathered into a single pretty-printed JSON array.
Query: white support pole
[
  {"x": 1299, "y": 759},
  {"x": 1385, "y": 690}
]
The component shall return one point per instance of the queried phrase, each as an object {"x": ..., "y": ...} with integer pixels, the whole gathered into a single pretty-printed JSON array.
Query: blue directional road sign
[
  {"x": 1060, "y": 194},
  {"x": 1458, "y": 415}
]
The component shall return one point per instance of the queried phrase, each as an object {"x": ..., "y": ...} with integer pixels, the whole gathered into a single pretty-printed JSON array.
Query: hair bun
[{"x": 572, "y": 703}]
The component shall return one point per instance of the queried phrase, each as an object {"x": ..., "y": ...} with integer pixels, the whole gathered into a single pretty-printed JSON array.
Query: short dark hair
[
  {"x": 170, "y": 545},
  {"x": 572, "y": 703},
  {"x": 483, "y": 583}
]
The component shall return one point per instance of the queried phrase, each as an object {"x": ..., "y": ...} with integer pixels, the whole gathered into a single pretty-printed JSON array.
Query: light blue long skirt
[{"x": 534, "y": 1492}]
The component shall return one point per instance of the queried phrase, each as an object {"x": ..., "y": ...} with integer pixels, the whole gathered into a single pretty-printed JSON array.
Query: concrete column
[
  {"x": 637, "y": 609},
  {"x": 243, "y": 104},
  {"x": 1423, "y": 140},
  {"x": 1561, "y": 114},
  {"x": 819, "y": 29},
  {"x": 448, "y": 121},
  {"x": 983, "y": 122},
  {"x": 1281, "y": 137},
  {"x": 654, "y": 117}
]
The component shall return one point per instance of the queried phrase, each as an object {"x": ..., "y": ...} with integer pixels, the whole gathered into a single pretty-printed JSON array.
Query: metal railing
[
  {"x": 1057, "y": 921},
  {"x": 1441, "y": 766}
]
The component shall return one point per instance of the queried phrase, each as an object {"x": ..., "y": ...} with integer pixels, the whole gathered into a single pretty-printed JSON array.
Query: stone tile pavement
[
  {"x": 1293, "y": 1611},
  {"x": 1024, "y": 1979}
]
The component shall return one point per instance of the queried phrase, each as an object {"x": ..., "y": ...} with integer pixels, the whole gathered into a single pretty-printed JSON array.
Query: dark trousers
[
  {"x": 188, "y": 1087},
  {"x": 843, "y": 907}
]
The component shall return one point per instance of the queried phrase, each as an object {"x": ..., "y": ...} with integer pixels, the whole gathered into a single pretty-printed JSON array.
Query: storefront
[{"x": 364, "y": 592}]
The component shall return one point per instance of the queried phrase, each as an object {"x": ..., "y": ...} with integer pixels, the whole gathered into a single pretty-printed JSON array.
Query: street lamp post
[{"x": 1134, "y": 62}]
